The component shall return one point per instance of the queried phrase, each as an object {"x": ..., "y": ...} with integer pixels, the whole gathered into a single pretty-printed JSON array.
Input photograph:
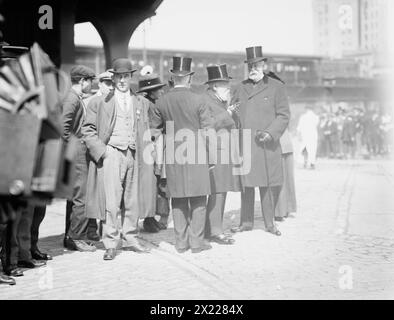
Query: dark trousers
[
  {"x": 189, "y": 221},
  {"x": 20, "y": 236},
  {"x": 215, "y": 211},
  {"x": 78, "y": 221},
  {"x": 4, "y": 244},
  {"x": 38, "y": 217},
  {"x": 267, "y": 205}
]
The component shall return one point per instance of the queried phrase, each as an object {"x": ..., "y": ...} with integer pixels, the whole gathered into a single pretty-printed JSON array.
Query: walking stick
[{"x": 277, "y": 232}]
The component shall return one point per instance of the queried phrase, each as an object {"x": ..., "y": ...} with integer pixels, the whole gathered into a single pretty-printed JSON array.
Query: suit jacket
[
  {"x": 222, "y": 176},
  {"x": 187, "y": 112},
  {"x": 265, "y": 107},
  {"x": 73, "y": 114},
  {"x": 97, "y": 130}
]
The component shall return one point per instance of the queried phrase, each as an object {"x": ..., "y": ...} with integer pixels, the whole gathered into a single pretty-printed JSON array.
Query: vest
[{"x": 123, "y": 135}]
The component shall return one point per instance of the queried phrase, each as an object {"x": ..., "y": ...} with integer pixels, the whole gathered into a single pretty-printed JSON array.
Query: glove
[
  {"x": 263, "y": 137},
  {"x": 234, "y": 109}
]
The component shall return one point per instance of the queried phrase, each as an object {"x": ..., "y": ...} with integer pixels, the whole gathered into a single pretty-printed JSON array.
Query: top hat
[
  {"x": 254, "y": 54},
  {"x": 217, "y": 72},
  {"x": 181, "y": 66},
  {"x": 122, "y": 65},
  {"x": 150, "y": 83}
]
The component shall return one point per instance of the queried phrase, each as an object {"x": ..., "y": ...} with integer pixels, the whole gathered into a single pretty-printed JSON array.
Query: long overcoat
[
  {"x": 184, "y": 116},
  {"x": 265, "y": 107},
  {"x": 97, "y": 130},
  {"x": 223, "y": 177}
]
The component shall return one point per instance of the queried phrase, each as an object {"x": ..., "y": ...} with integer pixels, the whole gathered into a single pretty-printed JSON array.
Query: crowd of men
[
  {"x": 140, "y": 154},
  {"x": 354, "y": 133}
]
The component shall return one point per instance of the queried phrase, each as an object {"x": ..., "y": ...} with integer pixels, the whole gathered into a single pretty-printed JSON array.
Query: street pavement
[{"x": 338, "y": 245}]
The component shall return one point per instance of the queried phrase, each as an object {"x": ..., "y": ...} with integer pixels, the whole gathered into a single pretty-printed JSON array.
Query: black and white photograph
[{"x": 187, "y": 150}]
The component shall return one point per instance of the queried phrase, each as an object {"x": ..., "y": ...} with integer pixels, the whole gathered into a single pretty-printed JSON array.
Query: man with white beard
[{"x": 264, "y": 111}]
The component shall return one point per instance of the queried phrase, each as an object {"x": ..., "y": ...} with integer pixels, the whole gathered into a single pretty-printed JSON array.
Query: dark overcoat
[
  {"x": 182, "y": 112},
  {"x": 97, "y": 130},
  {"x": 222, "y": 175},
  {"x": 265, "y": 107}
]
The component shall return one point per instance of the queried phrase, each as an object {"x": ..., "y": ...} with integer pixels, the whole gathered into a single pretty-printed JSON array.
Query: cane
[{"x": 277, "y": 232}]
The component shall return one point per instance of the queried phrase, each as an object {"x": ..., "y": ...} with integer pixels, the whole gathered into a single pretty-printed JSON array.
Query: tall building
[{"x": 353, "y": 29}]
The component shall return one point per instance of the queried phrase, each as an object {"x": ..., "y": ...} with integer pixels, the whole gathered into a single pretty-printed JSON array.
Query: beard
[{"x": 256, "y": 76}]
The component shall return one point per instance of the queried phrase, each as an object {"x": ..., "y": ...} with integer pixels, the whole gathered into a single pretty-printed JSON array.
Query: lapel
[{"x": 261, "y": 86}]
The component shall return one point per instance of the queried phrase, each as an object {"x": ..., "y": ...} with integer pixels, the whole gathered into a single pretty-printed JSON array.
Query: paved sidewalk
[{"x": 339, "y": 246}]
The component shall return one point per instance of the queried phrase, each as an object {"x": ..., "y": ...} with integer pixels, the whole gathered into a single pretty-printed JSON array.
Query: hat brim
[
  {"x": 218, "y": 80},
  {"x": 150, "y": 88},
  {"x": 104, "y": 79},
  {"x": 255, "y": 60},
  {"x": 120, "y": 71},
  {"x": 182, "y": 73}
]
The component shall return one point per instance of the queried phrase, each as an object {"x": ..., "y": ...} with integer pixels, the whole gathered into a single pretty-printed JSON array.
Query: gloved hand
[
  {"x": 234, "y": 109},
  {"x": 263, "y": 137}
]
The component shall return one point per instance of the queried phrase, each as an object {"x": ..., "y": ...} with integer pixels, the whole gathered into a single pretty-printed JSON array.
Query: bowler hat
[
  {"x": 80, "y": 71},
  {"x": 217, "y": 72},
  {"x": 254, "y": 54},
  {"x": 181, "y": 66},
  {"x": 150, "y": 83},
  {"x": 122, "y": 65}
]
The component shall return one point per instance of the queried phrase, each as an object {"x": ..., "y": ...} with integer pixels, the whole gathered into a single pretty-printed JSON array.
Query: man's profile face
[
  {"x": 106, "y": 86},
  {"x": 122, "y": 81},
  {"x": 156, "y": 94},
  {"x": 86, "y": 85}
]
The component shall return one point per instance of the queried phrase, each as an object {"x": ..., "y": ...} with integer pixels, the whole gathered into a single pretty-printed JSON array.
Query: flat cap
[
  {"x": 80, "y": 71},
  {"x": 105, "y": 76}
]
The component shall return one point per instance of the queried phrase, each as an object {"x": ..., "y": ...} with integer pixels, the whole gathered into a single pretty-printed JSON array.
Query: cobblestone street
[{"x": 339, "y": 245}]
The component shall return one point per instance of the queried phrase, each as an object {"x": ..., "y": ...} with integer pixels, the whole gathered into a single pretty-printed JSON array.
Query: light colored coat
[{"x": 97, "y": 130}]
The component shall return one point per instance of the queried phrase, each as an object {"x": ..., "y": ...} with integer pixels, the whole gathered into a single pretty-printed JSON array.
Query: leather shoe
[
  {"x": 14, "y": 272},
  {"x": 205, "y": 246},
  {"x": 280, "y": 219},
  {"x": 274, "y": 231},
  {"x": 69, "y": 244},
  {"x": 84, "y": 246},
  {"x": 150, "y": 226},
  {"x": 137, "y": 248},
  {"x": 222, "y": 239},
  {"x": 109, "y": 254},
  {"x": 38, "y": 255},
  {"x": 4, "y": 279},
  {"x": 181, "y": 250},
  {"x": 31, "y": 264},
  {"x": 241, "y": 229}
]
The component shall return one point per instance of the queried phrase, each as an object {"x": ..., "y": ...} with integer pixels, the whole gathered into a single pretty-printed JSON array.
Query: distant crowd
[{"x": 355, "y": 133}]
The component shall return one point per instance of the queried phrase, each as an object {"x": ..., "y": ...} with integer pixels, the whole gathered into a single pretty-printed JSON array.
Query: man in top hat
[
  {"x": 185, "y": 114},
  {"x": 118, "y": 175},
  {"x": 74, "y": 114},
  {"x": 222, "y": 176},
  {"x": 151, "y": 86},
  {"x": 264, "y": 110}
]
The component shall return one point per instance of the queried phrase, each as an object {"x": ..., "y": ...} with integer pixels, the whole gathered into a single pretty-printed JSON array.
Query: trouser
[
  {"x": 120, "y": 198},
  {"x": 78, "y": 219},
  {"x": 189, "y": 221},
  {"x": 287, "y": 197},
  {"x": 215, "y": 211},
  {"x": 3, "y": 244},
  {"x": 20, "y": 236},
  {"x": 38, "y": 217},
  {"x": 162, "y": 202},
  {"x": 267, "y": 205}
]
